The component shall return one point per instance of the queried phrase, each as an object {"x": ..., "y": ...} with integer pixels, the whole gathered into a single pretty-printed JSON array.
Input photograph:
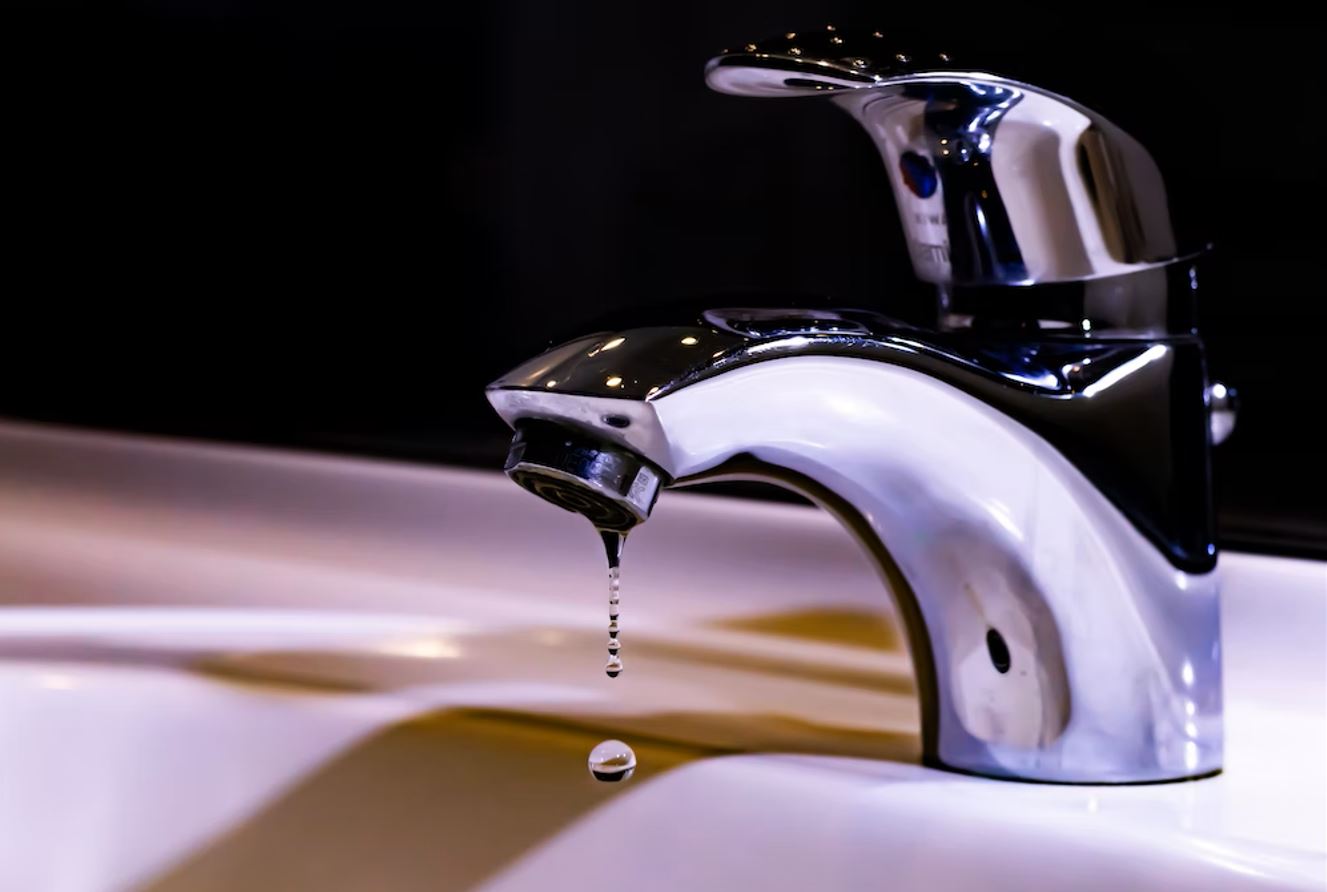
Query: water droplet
[
  {"x": 612, "y": 761},
  {"x": 612, "y": 628},
  {"x": 613, "y": 668},
  {"x": 613, "y": 646}
]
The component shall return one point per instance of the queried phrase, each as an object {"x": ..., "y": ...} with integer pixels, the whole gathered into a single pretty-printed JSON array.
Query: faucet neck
[{"x": 1063, "y": 646}]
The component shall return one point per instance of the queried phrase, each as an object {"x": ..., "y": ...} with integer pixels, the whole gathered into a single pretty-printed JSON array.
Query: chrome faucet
[{"x": 1030, "y": 472}]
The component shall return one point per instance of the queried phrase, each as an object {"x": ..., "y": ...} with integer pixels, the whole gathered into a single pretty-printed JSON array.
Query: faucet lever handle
[
  {"x": 997, "y": 182},
  {"x": 818, "y": 62}
]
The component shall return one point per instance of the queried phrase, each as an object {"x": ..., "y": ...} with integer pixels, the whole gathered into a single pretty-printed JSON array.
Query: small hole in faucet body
[{"x": 999, "y": 651}]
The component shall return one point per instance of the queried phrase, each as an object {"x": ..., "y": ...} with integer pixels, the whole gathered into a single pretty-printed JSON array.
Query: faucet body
[{"x": 1030, "y": 475}]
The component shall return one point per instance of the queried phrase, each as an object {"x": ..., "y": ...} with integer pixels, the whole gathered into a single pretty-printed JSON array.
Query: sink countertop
[{"x": 299, "y": 625}]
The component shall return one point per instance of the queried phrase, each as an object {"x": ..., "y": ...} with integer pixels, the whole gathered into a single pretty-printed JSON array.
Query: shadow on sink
[
  {"x": 446, "y": 801},
  {"x": 439, "y": 802},
  {"x": 492, "y": 765}
]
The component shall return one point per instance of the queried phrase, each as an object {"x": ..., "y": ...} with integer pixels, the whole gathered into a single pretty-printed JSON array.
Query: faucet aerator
[{"x": 611, "y": 486}]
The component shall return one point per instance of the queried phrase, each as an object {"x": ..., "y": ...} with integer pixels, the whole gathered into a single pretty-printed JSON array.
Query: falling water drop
[{"x": 612, "y": 761}]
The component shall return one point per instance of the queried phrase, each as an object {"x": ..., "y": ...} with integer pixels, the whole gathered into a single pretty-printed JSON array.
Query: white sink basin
[{"x": 235, "y": 669}]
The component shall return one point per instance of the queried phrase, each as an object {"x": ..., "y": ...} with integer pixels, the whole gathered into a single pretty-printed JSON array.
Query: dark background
[{"x": 328, "y": 225}]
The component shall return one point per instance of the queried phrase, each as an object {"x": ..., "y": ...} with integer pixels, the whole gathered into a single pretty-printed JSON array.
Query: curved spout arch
[
  {"x": 746, "y": 467},
  {"x": 1109, "y": 674}
]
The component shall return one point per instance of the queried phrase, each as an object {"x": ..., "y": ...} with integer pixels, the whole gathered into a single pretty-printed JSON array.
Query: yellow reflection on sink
[
  {"x": 853, "y": 628},
  {"x": 440, "y": 802}
]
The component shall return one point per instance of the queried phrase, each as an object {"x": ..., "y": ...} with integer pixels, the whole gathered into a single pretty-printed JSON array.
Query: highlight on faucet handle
[
  {"x": 998, "y": 182},
  {"x": 822, "y": 60}
]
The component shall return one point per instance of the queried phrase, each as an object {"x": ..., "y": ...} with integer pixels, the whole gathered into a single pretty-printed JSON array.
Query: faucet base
[{"x": 941, "y": 766}]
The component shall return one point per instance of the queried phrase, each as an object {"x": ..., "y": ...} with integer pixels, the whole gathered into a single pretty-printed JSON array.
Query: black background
[{"x": 328, "y": 225}]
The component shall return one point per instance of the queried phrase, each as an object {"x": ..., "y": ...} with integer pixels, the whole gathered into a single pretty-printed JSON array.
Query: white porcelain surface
[{"x": 226, "y": 668}]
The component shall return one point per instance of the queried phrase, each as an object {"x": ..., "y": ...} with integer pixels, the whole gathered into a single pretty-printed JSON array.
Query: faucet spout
[
  {"x": 1051, "y": 639},
  {"x": 613, "y": 487}
]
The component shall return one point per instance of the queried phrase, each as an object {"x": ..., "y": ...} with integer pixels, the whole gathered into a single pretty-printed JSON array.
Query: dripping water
[
  {"x": 613, "y": 543},
  {"x": 612, "y": 760}
]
